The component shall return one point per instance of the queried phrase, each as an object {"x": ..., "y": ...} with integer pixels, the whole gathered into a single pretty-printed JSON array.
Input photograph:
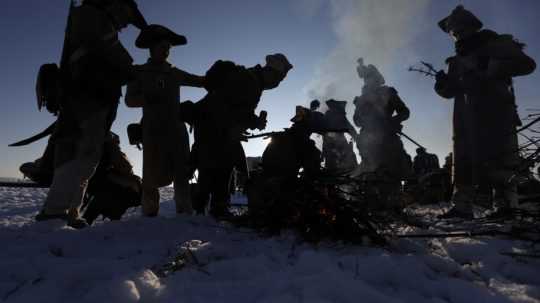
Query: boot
[
  {"x": 74, "y": 219},
  {"x": 42, "y": 216},
  {"x": 505, "y": 199},
  {"x": 462, "y": 198}
]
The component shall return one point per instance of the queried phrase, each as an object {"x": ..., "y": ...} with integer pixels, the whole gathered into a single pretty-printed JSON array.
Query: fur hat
[{"x": 460, "y": 17}]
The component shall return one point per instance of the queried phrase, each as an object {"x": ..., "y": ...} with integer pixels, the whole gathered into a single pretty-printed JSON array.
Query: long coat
[
  {"x": 165, "y": 138},
  {"x": 479, "y": 79},
  {"x": 378, "y": 143}
]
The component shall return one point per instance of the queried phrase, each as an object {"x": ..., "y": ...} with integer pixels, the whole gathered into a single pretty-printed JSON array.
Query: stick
[{"x": 410, "y": 139}]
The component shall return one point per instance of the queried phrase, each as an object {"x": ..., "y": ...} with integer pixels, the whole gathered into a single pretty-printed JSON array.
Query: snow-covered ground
[{"x": 118, "y": 262}]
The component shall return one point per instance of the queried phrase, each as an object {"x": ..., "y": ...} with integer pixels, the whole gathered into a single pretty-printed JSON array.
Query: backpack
[
  {"x": 49, "y": 84},
  {"x": 218, "y": 72},
  {"x": 48, "y": 88}
]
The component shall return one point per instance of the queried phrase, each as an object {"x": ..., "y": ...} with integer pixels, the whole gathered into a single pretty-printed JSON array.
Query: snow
[{"x": 121, "y": 262}]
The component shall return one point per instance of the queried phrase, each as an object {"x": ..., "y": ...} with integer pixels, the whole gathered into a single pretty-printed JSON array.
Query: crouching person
[
  {"x": 113, "y": 188},
  {"x": 164, "y": 136}
]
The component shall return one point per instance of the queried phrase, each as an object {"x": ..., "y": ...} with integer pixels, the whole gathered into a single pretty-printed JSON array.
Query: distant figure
[
  {"x": 337, "y": 152},
  {"x": 479, "y": 79},
  {"x": 98, "y": 66},
  {"x": 156, "y": 89},
  {"x": 425, "y": 163},
  {"x": 430, "y": 180},
  {"x": 224, "y": 115},
  {"x": 379, "y": 113}
]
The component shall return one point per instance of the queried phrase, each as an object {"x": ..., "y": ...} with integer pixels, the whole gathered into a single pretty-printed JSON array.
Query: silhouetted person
[
  {"x": 224, "y": 114},
  {"x": 479, "y": 79},
  {"x": 337, "y": 152},
  {"x": 98, "y": 66},
  {"x": 293, "y": 149},
  {"x": 425, "y": 163},
  {"x": 164, "y": 136},
  {"x": 379, "y": 113}
]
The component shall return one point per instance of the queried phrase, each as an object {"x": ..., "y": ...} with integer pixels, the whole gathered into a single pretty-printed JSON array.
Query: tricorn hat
[
  {"x": 279, "y": 62},
  {"x": 300, "y": 115},
  {"x": 138, "y": 19},
  {"x": 336, "y": 105},
  {"x": 155, "y": 33},
  {"x": 460, "y": 17}
]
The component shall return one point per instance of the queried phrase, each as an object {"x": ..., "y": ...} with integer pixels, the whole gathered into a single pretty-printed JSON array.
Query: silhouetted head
[
  {"x": 335, "y": 105},
  {"x": 159, "y": 40},
  {"x": 420, "y": 151},
  {"x": 123, "y": 12},
  {"x": 460, "y": 24},
  {"x": 370, "y": 74},
  {"x": 314, "y": 105},
  {"x": 301, "y": 114},
  {"x": 276, "y": 69}
]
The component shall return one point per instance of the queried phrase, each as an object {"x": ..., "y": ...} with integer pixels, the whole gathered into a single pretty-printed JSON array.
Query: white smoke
[{"x": 377, "y": 30}]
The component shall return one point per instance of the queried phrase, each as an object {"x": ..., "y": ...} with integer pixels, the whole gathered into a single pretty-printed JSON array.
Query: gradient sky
[{"x": 245, "y": 31}]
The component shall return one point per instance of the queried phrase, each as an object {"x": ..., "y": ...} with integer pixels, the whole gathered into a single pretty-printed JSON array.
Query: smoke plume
[{"x": 377, "y": 30}]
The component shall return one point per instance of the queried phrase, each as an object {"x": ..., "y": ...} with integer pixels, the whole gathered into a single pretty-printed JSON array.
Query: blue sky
[{"x": 312, "y": 34}]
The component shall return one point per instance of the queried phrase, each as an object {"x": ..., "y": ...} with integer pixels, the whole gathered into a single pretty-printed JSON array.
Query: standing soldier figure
[
  {"x": 479, "y": 78},
  {"x": 378, "y": 142},
  {"x": 164, "y": 136},
  {"x": 98, "y": 65},
  {"x": 338, "y": 154},
  {"x": 425, "y": 163},
  {"x": 224, "y": 114}
]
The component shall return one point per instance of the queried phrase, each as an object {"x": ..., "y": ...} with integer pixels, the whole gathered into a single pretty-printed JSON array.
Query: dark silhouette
[
  {"x": 94, "y": 67},
  {"x": 337, "y": 152},
  {"x": 424, "y": 162},
  {"x": 479, "y": 79},
  {"x": 379, "y": 113},
  {"x": 156, "y": 88},
  {"x": 223, "y": 116}
]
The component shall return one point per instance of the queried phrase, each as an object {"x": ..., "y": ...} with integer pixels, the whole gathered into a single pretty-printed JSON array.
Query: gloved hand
[
  {"x": 441, "y": 76},
  {"x": 262, "y": 121}
]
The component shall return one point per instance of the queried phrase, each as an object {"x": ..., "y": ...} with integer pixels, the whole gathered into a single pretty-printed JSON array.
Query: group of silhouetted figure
[{"x": 85, "y": 168}]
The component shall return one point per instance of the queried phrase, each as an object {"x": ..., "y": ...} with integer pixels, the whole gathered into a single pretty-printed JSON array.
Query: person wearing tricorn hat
[
  {"x": 227, "y": 111},
  {"x": 479, "y": 79},
  {"x": 156, "y": 88},
  {"x": 337, "y": 152},
  {"x": 95, "y": 65},
  {"x": 379, "y": 113}
]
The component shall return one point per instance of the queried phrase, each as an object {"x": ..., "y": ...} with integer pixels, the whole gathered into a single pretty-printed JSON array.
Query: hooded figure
[
  {"x": 224, "y": 114},
  {"x": 337, "y": 152},
  {"x": 479, "y": 79},
  {"x": 165, "y": 140},
  {"x": 379, "y": 113},
  {"x": 95, "y": 65}
]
